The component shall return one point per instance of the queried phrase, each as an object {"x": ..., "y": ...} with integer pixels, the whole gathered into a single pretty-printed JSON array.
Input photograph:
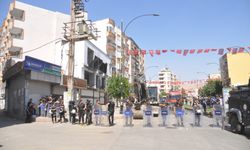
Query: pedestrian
[
  {"x": 97, "y": 112},
  {"x": 53, "y": 113},
  {"x": 42, "y": 108},
  {"x": 111, "y": 110},
  {"x": 179, "y": 112},
  {"x": 217, "y": 112},
  {"x": 62, "y": 113},
  {"x": 197, "y": 114},
  {"x": 128, "y": 113},
  {"x": 81, "y": 112},
  {"x": 29, "y": 111},
  {"x": 73, "y": 114},
  {"x": 88, "y": 110}
]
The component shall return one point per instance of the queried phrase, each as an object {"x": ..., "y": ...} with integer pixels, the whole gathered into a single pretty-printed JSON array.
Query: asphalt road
[{"x": 15, "y": 135}]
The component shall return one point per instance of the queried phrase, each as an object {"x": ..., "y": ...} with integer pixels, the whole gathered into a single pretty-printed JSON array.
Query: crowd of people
[{"x": 81, "y": 112}]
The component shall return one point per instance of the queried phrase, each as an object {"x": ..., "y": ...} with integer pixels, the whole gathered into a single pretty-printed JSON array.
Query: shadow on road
[
  {"x": 6, "y": 121},
  {"x": 246, "y": 134}
]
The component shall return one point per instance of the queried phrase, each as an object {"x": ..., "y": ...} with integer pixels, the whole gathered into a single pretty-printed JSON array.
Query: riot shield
[
  {"x": 97, "y": 116},
  {"x": 128, "y": 118},
  {"x": 104, "y": 118},
  {"x": 179, "y": 113},
  {"x": 163, "y": 114},
  {"x": 217, "y": 115},
  {"x": 147, "y": 116}
]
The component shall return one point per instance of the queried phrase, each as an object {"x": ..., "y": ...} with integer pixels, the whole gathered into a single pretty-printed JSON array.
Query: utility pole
[{"x": 78, "y": 29}]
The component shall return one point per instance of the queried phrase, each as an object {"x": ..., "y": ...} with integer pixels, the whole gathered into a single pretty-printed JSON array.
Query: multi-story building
[
  {"x": 167, "y": 80},
  {"x": 116, "y": 44},
  {"x": 235, "y": 69},
  {"x": 37, "y": 32}
]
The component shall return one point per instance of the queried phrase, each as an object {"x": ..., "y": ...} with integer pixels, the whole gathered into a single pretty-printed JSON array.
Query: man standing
[
  {"x": 81, "y": 112},
  {"x": 88, "y": 113},
  {"x": 111, "y": 110},
  {"x": 29, "y": 111}
]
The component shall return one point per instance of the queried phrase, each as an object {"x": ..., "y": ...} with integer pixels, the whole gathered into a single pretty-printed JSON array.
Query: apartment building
[
  {"x": 36, "y": 32},
  {"x": 235, "y": 69},
  {"x": 167, "y": 80}
]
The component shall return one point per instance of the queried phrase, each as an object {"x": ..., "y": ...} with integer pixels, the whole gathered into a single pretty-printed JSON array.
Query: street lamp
[{"x": 132, "y": 20}]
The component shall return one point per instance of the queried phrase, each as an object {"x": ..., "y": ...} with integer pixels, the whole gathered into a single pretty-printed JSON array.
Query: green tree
[
  {"x": 163, "y": 94},
  {"x": 212, "y": 88},
  {"x": 118, "y": 87}
]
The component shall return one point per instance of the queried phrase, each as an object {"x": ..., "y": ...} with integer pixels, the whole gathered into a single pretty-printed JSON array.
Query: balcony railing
[{"x": 17, "y": 14}]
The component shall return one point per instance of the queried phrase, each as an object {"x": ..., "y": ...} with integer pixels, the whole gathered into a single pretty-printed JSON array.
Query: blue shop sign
[{"x": 34, "y": 64}]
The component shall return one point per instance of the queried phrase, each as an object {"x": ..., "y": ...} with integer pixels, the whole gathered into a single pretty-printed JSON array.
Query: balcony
[
  {"x": 111, "y": 36},
  {"x": 110, "y": 47},
  {"x": 16, "y": 33},
  {"x": 17, "y": 14}
]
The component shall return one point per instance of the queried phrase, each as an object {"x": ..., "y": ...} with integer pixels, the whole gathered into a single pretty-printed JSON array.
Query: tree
[
  {"x": 118, "y": 87},
  {"x": 163, "y": 94},
  {"x": 212, "y": 88}
]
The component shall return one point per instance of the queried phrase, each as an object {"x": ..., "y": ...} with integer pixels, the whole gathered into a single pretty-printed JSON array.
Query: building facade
[
  {"x": 235, "y": 69},
  {"x": 167, "y": 80},
  {"x": 36, "y": 32}
]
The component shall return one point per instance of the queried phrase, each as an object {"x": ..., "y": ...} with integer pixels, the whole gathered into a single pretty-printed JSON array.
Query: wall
[
  {"x": 15, "y": 97},
  {"x": 239, "y": 68}
]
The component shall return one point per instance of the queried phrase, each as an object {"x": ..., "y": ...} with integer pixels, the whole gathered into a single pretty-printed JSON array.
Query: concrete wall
[{"x": 239, "y": 68}]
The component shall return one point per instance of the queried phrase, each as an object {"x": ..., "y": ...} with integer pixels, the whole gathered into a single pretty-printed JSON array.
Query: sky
[{"x": 182, "y": 24}]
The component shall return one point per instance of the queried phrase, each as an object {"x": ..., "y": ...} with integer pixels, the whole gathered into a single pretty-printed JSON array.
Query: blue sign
[
  {"x": 217, "y": 112},
  {"x": 96, "y": 112},
  {"x": 148, "y": 113},
  {"x": 104, "y": 112},
  {"x": 164, "y": 112},
  {"x": 37, "y": 65},
  {"x": 179, "y": 112},
  {"x": 128, "y": 113}
]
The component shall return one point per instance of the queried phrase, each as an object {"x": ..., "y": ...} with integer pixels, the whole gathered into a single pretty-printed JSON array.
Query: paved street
[{"x": 48, "y": 136}]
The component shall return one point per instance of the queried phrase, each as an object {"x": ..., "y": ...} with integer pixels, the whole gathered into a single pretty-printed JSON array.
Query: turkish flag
[
  {"x": 172, "y": 50},
  {"x": 235, "y": 50},
  {"x": 229, "y": 49},
  {"x": 213, "y": 49},
  {"x": 143, "y": 52},
  {"x": 129, "y": 52},
  {"x": 192, "y": 51},
  {"x": 185, "y": 52},
  {"x": 206, "y": 50},
  {"x": 136, "y": 52},
  {"x": 151, "y": 52},
  {"x": 199, "y": 51},
  {"x": 241, "y": 50},
  {"x": 158, "y": 52},
  {"x": 164, "y": 51},
  {"x": 221, "y": 51},
  {"x": 178, "y": 51}
]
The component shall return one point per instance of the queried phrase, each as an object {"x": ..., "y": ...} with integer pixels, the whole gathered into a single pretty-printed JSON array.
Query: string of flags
[
  {"x": 178, "y": 82},
  {"x": 185, "y": 52}
]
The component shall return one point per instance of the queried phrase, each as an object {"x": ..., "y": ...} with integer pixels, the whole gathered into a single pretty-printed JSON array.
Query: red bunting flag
[
  {"x": 229, "y": 49},
  {"x": 136, "y": 52},
  {"x": 213, "y": 49},
  {"x": 206, "y": 50},
  {"x": 164, "y": 51},
  {"x": 158, "y": 52},
  {"x": 151, "y": 52},
  {"x": 143, "y": 52},
  {"x": 192, "y": 51},
  {"x": 178, "y": 51},
  {"x": 185, "y": 52},
  {"x": 172, "y": 50},
  {"x": 241, "y": 50},
  {"x": 129, "y": 52},
  {"x": 199, "y": 51},
  {"x": 221, "y": 51},
  {"x": 234, "y": 50}
]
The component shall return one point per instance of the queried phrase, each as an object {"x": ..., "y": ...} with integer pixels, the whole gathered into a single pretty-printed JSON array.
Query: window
[{"x": 90, "y": 57}]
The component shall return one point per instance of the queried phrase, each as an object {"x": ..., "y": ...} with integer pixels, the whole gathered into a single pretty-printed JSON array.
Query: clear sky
[{"x": 182, "y": 24}]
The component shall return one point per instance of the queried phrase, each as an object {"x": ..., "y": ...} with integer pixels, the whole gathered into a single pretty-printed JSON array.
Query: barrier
[
  {"x": 179, "y": 117},
  {"x": 147, "y": 116},
  {"x": 104, "y": 118},
  {"x": 163, "y": 114},
  {"x": 97, "y": 117}
]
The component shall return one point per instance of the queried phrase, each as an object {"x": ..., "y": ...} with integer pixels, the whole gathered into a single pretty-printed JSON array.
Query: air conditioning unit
[{"x": 83, "y": 28}]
